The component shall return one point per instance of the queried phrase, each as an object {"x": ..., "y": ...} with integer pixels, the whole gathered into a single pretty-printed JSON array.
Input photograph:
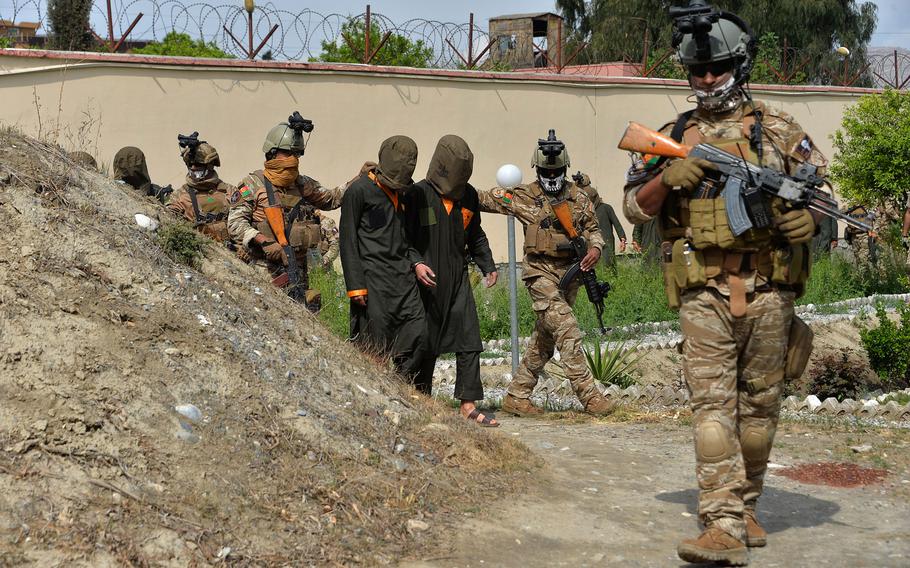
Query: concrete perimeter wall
[{"x": 99, "y": 103}]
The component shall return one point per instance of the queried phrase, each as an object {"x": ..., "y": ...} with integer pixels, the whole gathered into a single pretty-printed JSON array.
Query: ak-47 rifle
[
  {"x": 597, "y": 291},
  {"x": 743, "y": 185},
  {"x": 274, "y": 215}
]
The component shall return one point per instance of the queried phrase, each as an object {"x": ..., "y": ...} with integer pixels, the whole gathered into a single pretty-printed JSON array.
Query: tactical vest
[
  {"x": 699, "y": 245},
  {"x": 544, "y": 235},
  {"x": 305, "y": 231},
  {"x": 210, "y": 209}
]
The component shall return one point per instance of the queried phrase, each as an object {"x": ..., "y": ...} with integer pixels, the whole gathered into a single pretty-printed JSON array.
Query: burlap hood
[
  {"x": 397, "y": 160},
  {"x": 451, "y": 167},
  {"x": 129, "y": 166}
]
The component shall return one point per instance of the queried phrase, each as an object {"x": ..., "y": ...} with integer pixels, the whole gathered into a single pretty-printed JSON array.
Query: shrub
[
  {"x": 180, "y": 44},
  {"x": 335, "y": 312},
  {"x": 69, "y": 24},
  {"x": 613, "y": 367},
  {"x": 888, "y": 347},
  {"x": 182, "y": 243},
  {"x": 841, "y": 375}
]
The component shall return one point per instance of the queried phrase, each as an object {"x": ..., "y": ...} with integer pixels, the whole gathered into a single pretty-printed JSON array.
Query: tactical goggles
[{"x": 716, "y": 68}]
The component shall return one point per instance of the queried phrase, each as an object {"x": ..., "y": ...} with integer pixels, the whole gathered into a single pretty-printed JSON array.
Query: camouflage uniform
[
  {"x": 246, "y": 219},
  {"x": 864, "y": 246},
  {"x": 547, "y": 257},
  {"x": 211, "y": 201},
  {"x": 736, "y": 310},
  {"x": 328, "y": 244}
]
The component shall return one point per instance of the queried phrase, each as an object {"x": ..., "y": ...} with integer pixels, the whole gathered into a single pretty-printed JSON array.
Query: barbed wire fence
[{"x": 302, "y": 35}]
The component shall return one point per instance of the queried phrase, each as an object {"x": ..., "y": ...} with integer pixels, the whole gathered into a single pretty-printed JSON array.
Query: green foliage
[
  {"x": 5, "y": 43},
  {"x": 182, "y": 243},
  {"x": 182, "y": 45},
  {"x": 397, "y": 51},
  {"x": 872, "y": 160},
  {"x": 335, "y": 312},
  {"x": 888, "y": 346},
  {"x": 832, "y": 279},
  {"x": 839, "y": 375},
  {"x": 69, "y": 25},
  {"x": 901, "y": 398},
  {"x": 613, "y": 367},
  {"x": 769, "y": 58},
  {"x": 615, "y": 30}
]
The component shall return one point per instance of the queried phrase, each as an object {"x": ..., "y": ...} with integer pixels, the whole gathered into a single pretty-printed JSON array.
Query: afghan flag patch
[{"x": 507, "y": 198}]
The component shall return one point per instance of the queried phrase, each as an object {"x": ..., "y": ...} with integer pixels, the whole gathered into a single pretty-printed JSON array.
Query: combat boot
[
  {"x": 519, "y": 406},
  {"x": 756, "y": 536},
  {"x": 714, "y": 545},
  {"x": 600, "y": 405}
]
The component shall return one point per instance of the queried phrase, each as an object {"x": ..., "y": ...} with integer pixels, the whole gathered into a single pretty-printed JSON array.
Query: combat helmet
[
  {"x": 551, "y": 160},
  {"x": 204, "y": 155},
  {"x": 288, "y": 136},
  {"x": 704, "y": 36}
]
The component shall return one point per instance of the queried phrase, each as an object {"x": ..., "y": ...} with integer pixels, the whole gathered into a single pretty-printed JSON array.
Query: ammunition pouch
[
  {"x": 304, "y": 235},
  {"x": 684, "y": 267},
  {"x": 547, "y": 241},
  {"x": 216, "y": 230},
  {"x": 710, "y": 227},
  {"x": 791, "y": 266}
]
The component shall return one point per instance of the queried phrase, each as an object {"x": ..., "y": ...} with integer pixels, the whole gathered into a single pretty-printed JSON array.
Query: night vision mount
[
  {"x": 190, "y": 141},
  {"x": 697, "y": 19},
  {"x": 299, "y": 124},
  {"x": 551, "y": 148}
]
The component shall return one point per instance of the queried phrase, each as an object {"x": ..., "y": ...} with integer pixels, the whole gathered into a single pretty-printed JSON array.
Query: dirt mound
[{"x": 304, "y": 453}]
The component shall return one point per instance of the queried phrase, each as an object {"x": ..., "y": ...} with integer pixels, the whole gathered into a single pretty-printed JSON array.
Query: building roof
[
  {"x": 525, "y": 16},
  {"x": 10, "y": 24}
]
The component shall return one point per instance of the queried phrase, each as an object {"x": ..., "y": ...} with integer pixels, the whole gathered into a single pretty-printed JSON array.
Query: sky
[{"x": 893, "y": 25}]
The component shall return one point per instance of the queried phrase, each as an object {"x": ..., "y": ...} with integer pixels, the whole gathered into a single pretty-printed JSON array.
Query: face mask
[
  {"x": 198, "y": 175},
  {"x": 722, "y": 99},
  {"x": 553, "y": 184}
]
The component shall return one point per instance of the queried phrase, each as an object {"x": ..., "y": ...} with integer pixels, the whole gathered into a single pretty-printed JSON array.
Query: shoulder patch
[
  {"x": 804, "y": 147},
  {"x": 243, "y": 192},
  {"x": 503, "y": 195}
]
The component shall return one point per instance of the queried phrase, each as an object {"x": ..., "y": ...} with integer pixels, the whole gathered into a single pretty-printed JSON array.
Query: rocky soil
[{"x": 290, "y": 448}]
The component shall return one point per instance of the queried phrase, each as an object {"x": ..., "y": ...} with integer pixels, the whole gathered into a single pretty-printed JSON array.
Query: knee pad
[
  {"x": 712, "y": 442},
  {"x": 756, "y": 443}
]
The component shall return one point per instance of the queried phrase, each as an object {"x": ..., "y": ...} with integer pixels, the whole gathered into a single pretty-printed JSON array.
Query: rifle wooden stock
[
  {"x": 638, "y": 138},
  {"x": 275, "y": 218},
  {"x": 561, "y": 209}
]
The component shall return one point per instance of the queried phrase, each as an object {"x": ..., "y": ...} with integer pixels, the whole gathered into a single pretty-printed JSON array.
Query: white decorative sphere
[{"x": 508, "y": 176}]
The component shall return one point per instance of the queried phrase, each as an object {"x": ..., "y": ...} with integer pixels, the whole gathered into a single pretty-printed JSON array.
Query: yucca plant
[{"x": 613, "y": 366}]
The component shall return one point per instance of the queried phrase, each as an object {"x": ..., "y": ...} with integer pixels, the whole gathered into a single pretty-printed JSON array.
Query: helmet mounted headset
[{"x": 697, "y": 21}]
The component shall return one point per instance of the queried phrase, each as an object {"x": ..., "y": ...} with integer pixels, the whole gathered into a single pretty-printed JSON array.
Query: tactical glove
[
  {"x": 274, "y": 252},
  {"x": 797, "y": 226},
  {"x": 686, "y": 174}
]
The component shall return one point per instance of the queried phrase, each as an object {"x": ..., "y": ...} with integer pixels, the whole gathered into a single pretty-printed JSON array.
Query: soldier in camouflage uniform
[
  {"x": 328, "y": 242},
  {"x": 204, "y": 199},
  {"x": 606, "y": 219},
  {"x": 864, "y": 246},
  {"x": 297, "y": 195},
  {"x": 735, "y": 294},
  {"x": 548, "y": 255}
]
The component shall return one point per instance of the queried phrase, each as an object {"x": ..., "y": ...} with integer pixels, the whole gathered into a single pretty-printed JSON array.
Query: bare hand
[
  {"x": 360, "y": 301},
  {"x": 590, "y": 259},
  {"x": 425, "y": 275},
  {"x": 490, "y": 280},
  {"x": 622, "y": 245},
  {"x": 636, "y": 247}
]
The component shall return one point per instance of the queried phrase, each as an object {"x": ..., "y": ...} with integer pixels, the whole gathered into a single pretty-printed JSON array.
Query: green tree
[
  {"x": 180, "y": 44},
  {"x": 398, "y": 49},
  {"x": 616, "y": 30},
  {"x": 872, "y": 149},
  {"x": 69, "y": 25}
]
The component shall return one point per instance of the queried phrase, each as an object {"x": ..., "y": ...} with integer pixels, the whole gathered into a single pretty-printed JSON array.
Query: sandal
[{"x": 486, "y": 421}]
